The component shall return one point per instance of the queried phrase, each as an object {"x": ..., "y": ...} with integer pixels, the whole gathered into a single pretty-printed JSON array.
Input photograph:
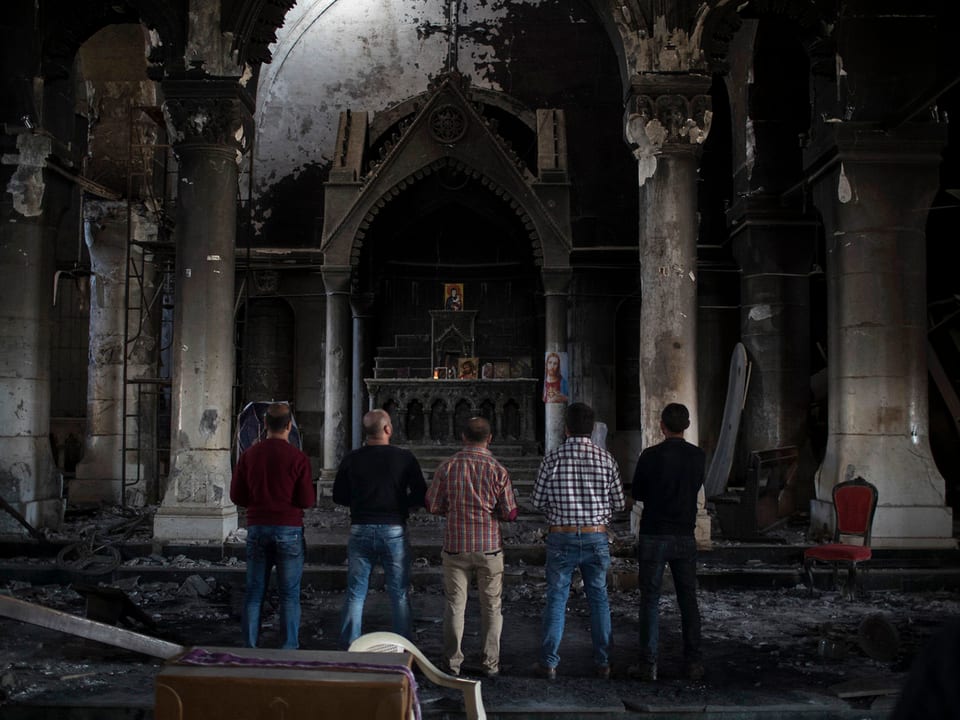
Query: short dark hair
[
  {"x": 476, "y": 430},
  {"x": 277, "y": 417},
  {"x": 579, "y": 418},
  {"x": 675, "y": 417}
]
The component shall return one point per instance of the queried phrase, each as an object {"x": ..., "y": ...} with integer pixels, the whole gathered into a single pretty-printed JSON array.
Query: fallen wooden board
[{"x": 90, "y": 629}]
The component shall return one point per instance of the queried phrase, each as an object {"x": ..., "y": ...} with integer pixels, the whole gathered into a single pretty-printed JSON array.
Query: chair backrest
[{"x": 855, "y": 502}]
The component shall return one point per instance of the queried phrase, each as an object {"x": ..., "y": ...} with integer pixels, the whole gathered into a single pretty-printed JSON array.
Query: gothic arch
[
  {"x": 76, "y": 23},
  {"x": 396, "y": 190},
  {"x": 360, "y": 188}
]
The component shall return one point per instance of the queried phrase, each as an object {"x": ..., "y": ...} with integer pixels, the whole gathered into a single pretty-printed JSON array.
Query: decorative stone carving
[
  {"x": 447, "y": 124},
  {"x": 266, "y": 282},
  {"x": 669, "y": 119},
  {"x": 508, "y": 404},
  {"x": 214, "y": 111}
]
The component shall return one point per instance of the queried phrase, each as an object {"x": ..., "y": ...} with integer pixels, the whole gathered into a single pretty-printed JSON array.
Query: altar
[
  {"x": 431, "y": 387},
  {"x": 427, "y": 411}
]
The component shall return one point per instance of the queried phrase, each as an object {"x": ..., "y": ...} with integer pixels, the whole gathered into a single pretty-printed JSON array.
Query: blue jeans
[
  {"x": 368, "y": 546},
  {"x": 591, "y": 553},
  {"x": 654, "y": 552},
  {"x": 268, "y": 546}
]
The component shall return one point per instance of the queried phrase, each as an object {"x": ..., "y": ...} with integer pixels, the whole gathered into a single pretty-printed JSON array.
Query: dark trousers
[{"x": 654, "y": 553}]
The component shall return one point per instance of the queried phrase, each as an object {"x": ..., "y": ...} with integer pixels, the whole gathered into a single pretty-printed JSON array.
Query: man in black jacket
[
  {"x": 380, "y": 483},
  {"x": 667, "y": 480}
]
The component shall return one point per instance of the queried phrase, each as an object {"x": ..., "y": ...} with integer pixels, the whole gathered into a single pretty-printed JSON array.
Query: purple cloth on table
[{"x": 199, "y": 656}]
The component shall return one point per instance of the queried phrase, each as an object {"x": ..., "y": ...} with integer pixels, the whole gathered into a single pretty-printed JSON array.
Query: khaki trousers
[{"x": 457, "y": 571}]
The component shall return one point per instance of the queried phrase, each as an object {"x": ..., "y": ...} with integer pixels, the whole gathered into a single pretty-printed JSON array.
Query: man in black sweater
[
  {"x": 667, "y": 480},
  {"x": 380, "y": 483}
]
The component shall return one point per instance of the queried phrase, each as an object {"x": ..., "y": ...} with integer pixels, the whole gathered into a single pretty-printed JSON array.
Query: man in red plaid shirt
[{"x": 473, "y": 490}]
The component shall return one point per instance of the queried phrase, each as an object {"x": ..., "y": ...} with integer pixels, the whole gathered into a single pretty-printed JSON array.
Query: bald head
[
  {"x": 477, "y": 432},
  {"x": 376, "y": 427},
  {"x": 278, "y": 420}
]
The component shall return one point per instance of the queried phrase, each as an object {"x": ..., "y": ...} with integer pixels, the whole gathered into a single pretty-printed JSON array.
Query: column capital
[
  {"x": 668, "y": 110},
  {"x": 337, "y": 279},
  {"x": 362, "y": 304},
  {"x": 865, "y": 176},
  {"x": 870, "y": 143},
  {"x": 556, "y": 280},
  {"x": 204, "y": 110}
]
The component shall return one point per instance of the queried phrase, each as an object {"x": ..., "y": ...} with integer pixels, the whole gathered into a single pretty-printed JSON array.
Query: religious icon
[
  {"x": 486, "y": 371},
  {"x": 467, "y": 368},
  {"x": 453, "y": 296},
  {"x": 554, "y": 378},
  {"x": 501, "y": 369}
]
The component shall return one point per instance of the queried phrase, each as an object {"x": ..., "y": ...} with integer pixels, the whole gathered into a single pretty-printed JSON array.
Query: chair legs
[
  {"x": 853, "y": 590},
  {"x": 849, "y": 590}
]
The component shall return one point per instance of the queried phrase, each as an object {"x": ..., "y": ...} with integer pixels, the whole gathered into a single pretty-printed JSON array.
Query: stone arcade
[{"x": 207, "y": 203}]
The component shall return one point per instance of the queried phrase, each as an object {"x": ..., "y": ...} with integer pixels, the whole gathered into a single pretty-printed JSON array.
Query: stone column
[
  {"x": 362, "y": 306},
  {"x": 874, "y": 192},
  {"x": 29, "y": 480},
  {"x": 99, "y": 474},
  {"x": 208, "y": 119},
  {"x": 556, "y": 284},
  {"x": 592, "y": 341},
  {"x": 669, "y": 121},
  {"x": 337, "y": 375},
  {"x": 774, "y": 249}
]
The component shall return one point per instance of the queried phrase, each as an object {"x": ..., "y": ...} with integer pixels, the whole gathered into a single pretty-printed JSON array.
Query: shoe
[
  {"x": 644, "y": 671},
  {"x": 603, "y": 672},
  {"x": 694, "y": 670},
  {"x": 487, "y": 672},
  {"x": 547, "y": 673}
]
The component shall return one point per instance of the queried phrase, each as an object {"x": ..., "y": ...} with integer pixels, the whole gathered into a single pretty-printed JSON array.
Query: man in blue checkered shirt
[{"x": 578, "y": 488}]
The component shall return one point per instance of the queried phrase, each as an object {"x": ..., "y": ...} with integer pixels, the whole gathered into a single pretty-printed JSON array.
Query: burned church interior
[{"x": 746, "y": 207}]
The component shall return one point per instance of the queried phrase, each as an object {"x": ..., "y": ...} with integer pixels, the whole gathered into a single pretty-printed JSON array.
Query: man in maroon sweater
[{"x": 272, "y": 480}]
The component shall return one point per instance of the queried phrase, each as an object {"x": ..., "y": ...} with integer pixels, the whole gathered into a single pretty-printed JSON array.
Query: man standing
[
  {"x": 474, "y": 491},
  {"x": 380, "y": 483},
  {"x": 578, "y": 488},
  {"x": 667, "y": 480},
  {"x": 272, "y": 480}
]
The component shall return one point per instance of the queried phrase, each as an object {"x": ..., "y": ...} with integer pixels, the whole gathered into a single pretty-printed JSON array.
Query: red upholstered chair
[{"x": 854, "y": 503}]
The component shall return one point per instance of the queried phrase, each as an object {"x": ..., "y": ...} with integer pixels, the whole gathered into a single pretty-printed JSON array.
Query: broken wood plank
[{"x": 90, "y": 629}]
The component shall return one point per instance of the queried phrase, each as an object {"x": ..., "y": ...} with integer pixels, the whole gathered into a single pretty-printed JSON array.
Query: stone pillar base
[
  {"x": 325, "y": 482},
  {"x": 194, "y": 524},
  {"x": 702, "y": 531},
  {"x": 894, "y": 527}
]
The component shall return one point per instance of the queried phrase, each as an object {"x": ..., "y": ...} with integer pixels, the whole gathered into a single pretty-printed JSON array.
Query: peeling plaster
[
  {"x": 364, "y": 55},
  {"x": 844, "y": 189},
  {"x": 841, "y": 73},
  {"x": 209, "y": 422},
  {"x": 751, "y": 147},
  {"x": 26, "y": 186},
  {"x": 760, "y": 312},
  {"x": 663, "y": 49},
  {"x": 205, "y": 42}
]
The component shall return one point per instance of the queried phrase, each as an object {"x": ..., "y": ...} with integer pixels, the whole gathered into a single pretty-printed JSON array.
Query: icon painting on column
[{"x": 555, "y": 377}]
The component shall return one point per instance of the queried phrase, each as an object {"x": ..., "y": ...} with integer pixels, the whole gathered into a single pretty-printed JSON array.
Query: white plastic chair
[{"x": 391, "y": 642}]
